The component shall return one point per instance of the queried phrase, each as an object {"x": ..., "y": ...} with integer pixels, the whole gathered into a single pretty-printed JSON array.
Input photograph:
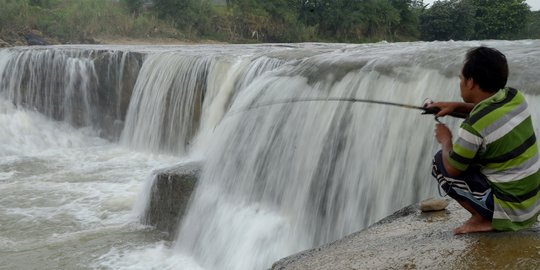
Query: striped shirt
[{"x": 499, "y": 137}]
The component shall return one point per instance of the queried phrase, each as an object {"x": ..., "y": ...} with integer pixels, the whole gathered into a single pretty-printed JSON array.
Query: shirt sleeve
[{"x": 465, "y": 148}]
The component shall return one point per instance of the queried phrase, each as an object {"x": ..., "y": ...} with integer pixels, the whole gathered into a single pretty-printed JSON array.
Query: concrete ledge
[
  {"x": 410, "y": 239},
  {"x": 170, "y": 195}
]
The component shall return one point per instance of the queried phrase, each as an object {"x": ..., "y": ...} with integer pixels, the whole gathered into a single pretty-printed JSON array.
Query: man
[{"x": 492, "y": 169}]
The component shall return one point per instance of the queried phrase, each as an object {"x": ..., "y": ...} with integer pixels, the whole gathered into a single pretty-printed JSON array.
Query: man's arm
[
  {"x": 449, "y": 107},
  {"x": 444, "y": 137}
]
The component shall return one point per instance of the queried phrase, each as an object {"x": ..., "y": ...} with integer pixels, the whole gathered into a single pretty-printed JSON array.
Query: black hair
[{"x": 487, "y": 67}]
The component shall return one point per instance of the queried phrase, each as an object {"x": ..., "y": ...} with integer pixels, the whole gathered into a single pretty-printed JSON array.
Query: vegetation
[
  {"x": 532, "y": 30},
  {"x": 475, "y": 19},
  {"x": 81, "y": 20},
  {"x": 272, "y": 21}
]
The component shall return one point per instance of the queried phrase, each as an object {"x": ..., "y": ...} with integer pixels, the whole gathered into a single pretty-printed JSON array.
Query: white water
[{"x": 277, "y": 179}]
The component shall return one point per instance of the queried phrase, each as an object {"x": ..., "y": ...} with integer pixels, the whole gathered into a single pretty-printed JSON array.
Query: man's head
[{"x": 487, "y": 67}]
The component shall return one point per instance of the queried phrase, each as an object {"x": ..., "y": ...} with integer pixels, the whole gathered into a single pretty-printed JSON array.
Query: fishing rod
[{"x": 424, "y": 108}]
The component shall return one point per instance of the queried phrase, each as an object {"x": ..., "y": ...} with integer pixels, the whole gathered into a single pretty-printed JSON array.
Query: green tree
[
  {"x": 284, "y": 25},
  {"x": 448, "y": 19},
  {"x": 192, "y": 16},
  {"x": 250, "y": 18},
  {"x": 409, "y": 23},
  {"x": 350, "y": 20},
  {"x": 499, "y": 19},
  {"x": 532, "y": 30},
  {"x": 269, "y": 21},
  {"x": 13, "y": 15}
]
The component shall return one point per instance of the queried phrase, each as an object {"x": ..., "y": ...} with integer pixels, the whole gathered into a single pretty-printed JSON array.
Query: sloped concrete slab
[{"x": 411, "y": 239}]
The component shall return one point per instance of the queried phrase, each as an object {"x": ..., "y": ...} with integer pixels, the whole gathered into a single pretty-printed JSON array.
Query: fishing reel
[{"x": 430, "y": 110}]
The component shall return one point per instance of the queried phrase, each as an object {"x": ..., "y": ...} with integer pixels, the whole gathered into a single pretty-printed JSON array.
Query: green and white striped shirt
[{"x": 499, "y": 136}]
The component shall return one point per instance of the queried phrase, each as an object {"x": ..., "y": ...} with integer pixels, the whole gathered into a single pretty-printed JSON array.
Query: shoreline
[{"x": 37, "y": 39}]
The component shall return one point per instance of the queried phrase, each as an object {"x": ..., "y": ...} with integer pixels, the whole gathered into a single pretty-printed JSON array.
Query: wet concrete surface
[{"x": 411, "y": 239}]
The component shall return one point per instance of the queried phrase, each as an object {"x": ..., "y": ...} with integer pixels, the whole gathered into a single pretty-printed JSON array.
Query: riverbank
[
  {"x": 411, "y": 239},
  {"x": 34, "y": 37}
]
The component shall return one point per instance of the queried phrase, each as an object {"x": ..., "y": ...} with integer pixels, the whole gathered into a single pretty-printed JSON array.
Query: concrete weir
[
  {"x": 169, "y": 196},
  {"x": 411, "y": 239}
]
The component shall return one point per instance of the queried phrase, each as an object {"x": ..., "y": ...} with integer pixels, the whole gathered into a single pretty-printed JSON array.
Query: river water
[{"x": 277, "y": 179}]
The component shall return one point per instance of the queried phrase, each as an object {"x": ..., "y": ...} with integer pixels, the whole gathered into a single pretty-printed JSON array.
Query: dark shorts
[{"x": 470, "y": 186}]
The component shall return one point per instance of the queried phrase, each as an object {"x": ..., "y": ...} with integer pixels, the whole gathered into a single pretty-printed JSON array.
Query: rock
[
  {"x": 170, "y": 195},
  {"x": 433, "y": 205},
  {"x": 411, "y": 239},
  {"x": 33, "y": 39}
]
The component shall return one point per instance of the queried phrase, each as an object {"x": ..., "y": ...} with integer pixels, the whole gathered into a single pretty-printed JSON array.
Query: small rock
[
  {"x": 33, "y": 39},
  {"x": 433, "y": 205}
]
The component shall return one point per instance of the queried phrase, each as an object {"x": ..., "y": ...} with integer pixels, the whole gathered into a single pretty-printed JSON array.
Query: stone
[
  {"x": 433, "y": 205},
  {"x": 170, "y": 195},
  {"x": 34, "y": 39}
]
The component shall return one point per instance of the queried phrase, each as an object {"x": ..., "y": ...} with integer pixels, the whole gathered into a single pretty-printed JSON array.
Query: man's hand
[
  {"x": 443, "y": 135},
  {"x": 450, "y": 107}
]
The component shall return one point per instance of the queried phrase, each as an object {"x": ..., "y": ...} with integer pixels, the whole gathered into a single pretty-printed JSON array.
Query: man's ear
[{"x": 470, "y": 83}]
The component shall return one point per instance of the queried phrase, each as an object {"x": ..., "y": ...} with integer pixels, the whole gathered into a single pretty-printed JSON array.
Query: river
[{"x": 82, "y": 128}]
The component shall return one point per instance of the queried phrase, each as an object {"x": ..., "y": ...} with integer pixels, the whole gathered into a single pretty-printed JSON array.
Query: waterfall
[
  {"x": 225, "y": 80},
  {"x": 86, "y": 88},
  {"x": 167, "y": 101},
  {"x": 277, "y": 179},
  {"x": 288, "y": 177}
]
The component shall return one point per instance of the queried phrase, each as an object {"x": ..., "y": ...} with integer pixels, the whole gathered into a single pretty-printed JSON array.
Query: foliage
[
  {"x": 339, "y": 20},
  {"x": 12, "y": 14},
  {"x": 499, "y": 19},
  {"x": 78, "y": 21},
  {"x": 449, "y": 19},
  {"x": 474, "y": 19},
  {"x": 532, "y": 30},
  {"x": 409, "y": 12},
  {"x": 134, "y": 6},
  {"x": 191, "y": 16},
  {"x": 274, "y": 21}
]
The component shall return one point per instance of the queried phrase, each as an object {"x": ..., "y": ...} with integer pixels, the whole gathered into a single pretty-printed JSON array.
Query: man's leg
[{"x": 471, "y": 191}]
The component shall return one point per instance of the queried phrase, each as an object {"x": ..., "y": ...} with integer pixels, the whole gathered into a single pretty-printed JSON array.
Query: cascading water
[
  {"x": 167, "y": 101},
  {"x": 292, "y": 176},
  {"x": 85, "y": 88},
  {"x": 276, "y": 180}
]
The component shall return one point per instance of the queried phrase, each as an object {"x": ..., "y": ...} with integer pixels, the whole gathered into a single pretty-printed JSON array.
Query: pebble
[{"x": 433, "y": 205}]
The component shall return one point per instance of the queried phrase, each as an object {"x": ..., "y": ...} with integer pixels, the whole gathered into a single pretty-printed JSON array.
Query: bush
[{"x": 13, "y": 15}]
